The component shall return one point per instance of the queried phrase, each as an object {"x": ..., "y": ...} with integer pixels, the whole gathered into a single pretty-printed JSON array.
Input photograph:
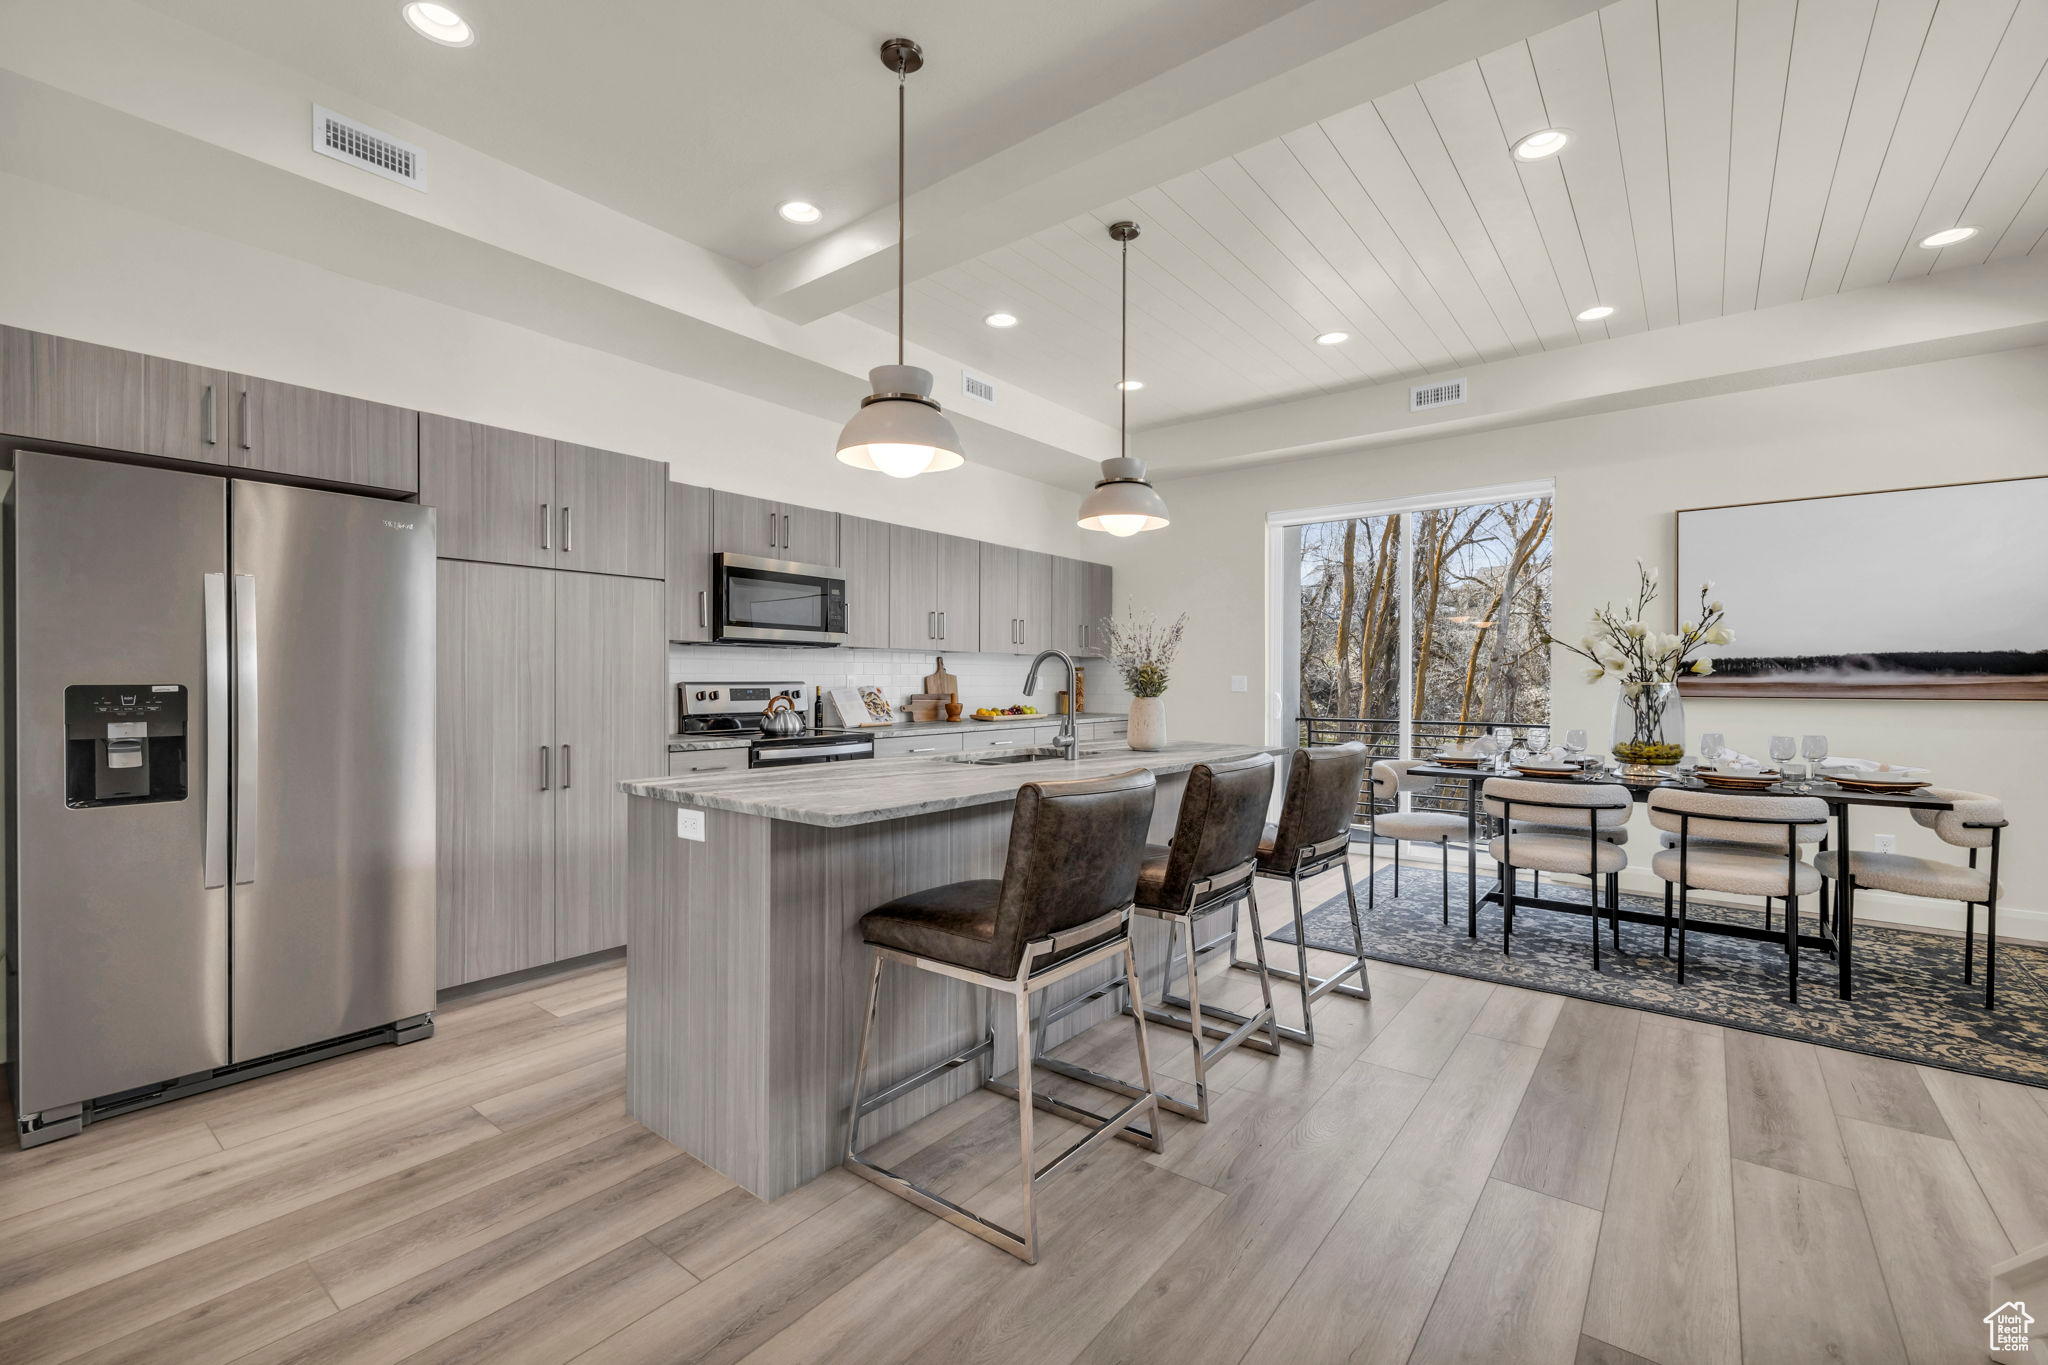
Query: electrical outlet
[
  {"x": 1239, "y": 682},
  {"x": 1885, "y": 843},
  {"x": 690, "y": 824}
]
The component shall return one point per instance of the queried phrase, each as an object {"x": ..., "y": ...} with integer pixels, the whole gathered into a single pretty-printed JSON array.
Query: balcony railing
[{"x": 1382, "y": 739}]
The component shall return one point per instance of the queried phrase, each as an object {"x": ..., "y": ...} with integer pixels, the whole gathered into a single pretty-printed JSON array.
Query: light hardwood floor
[{"x": 1457, "y": 1172}]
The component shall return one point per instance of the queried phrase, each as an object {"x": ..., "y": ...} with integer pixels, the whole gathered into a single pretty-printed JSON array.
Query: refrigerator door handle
[
  {"x": 245, "y": 728},
  {"x": 216, "y": 731}
]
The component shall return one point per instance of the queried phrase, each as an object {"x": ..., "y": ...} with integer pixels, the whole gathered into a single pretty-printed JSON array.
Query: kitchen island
[{"x": 745, "y": 968}]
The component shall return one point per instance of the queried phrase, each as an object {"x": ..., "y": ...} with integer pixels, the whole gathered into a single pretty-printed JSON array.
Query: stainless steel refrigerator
[{"x": 220, "y": 781}]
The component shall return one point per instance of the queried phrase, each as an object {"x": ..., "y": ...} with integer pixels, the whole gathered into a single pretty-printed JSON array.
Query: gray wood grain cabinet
[
  {"x": 1016, "y": 601},
  {"x": 613, "y": 511},
  {"x": 495, "y": 737},
  {"x": 329, "y": 437},
  {"x": 611, "y": 685},
  {"x": 934, "y": 590},
  {"x": 510, "y": 498},
  {"x": 494, "y": 489},
  {"x": 552, "y": 688},
  {"x": 774, "y": 530},
  {"x": 78, "y": 393},
  {"x": 690, "y": 541},
  {"x": 1080, "y": 599},
  {"x": 864, "y": 554}
]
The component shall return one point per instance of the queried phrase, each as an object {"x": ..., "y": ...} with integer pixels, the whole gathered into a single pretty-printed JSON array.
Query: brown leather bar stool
[
  {"x": 1313, "y": 836},
  {"x": 1209, "y": 867},
  {"x": 1062, "y": 906}
]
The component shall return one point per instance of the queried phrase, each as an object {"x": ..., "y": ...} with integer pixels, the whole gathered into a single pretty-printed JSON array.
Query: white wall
[
  {"x": 1619, "y": 478},
  {"x": 80, "y": 267}
]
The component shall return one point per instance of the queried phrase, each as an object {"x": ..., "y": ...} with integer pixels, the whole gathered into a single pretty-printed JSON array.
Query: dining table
[{"x": 1838, "y": 937}]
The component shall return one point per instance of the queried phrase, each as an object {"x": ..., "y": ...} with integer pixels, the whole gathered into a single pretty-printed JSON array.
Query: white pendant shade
[
  {"x": 1123, "y": 503},
  {"x": 899, "y": 430}
]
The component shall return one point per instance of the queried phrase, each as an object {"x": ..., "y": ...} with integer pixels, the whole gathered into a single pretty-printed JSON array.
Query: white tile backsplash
[{"x": 985, "y": 679}]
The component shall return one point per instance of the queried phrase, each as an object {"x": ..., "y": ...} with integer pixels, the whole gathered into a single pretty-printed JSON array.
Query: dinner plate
[
  {"x": 1880, "y": 782},
  {"x": 1546, "y": 769},
  {"x": 1742, "y": 781},
  {"x": 1461, "y": 760}
]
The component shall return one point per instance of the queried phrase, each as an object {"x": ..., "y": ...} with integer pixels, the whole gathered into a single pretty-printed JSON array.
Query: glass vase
[{"x": 1649, "y": 725}]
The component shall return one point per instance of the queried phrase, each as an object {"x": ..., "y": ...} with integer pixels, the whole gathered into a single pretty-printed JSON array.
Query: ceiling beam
[
  {"x": 1967, "y": 311},
  {"x": 1318, "y": 60}
]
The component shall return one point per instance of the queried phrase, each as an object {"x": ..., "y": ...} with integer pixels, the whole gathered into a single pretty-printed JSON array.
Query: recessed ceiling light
[
  {"x": 797, "y": 211},
  {"x": 1596, "y": 312},
  {"x": 1545, "y": 142},
  {"x": 439, "y": 23},
  {"x": 1130, "y": 384},
  {"x": 1333, "y": 338},
  {"x": 1001, "y": 320},
  {"x": 1948, "y": 237}
]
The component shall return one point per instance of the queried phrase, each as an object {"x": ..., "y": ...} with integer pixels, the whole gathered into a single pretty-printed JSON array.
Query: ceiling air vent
[
  {"x": 975, "y": 387},
  {"x": 1441, "y": 394},
  {"x": 360, "y": 145}
]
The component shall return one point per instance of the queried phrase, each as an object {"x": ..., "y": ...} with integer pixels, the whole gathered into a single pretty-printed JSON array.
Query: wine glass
[
  {"x": 1814, "y": 749},
  {"x": 1782, "y": 751},
  {"x": 1711, "y": 745},
  {"x": 1574, "y": 744}
]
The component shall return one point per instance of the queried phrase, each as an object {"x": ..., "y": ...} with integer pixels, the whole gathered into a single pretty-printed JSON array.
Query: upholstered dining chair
[
  {"x": 1740, "y": 845},
  {"x": 1563, "y": 827},
  {"x": 1390, "y": 778},
  {"x": 1974, "y": 822}
]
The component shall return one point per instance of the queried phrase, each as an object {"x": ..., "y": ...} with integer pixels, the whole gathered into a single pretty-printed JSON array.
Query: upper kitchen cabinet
[
  {"x": 327, "y": 437},
  {"x": 1016, "y": 601},
  {"x": 494, "y": 489},
  {"x": 774, "y": 530},
  {"x": 509, "y": 498},
  {"x": 690, "y": 538},
  {"x": 613, "y": 511},
  {"x": 1080, "y": 601},
  {"x": 934, "y": 590},
  {"x": 864, "y": 554},
  {"x": 76, "y": 393}
]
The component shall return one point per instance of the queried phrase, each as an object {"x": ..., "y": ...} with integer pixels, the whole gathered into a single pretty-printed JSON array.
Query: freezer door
[
  {"x": 122, "y": 946},
  {"x": 333, "y": 860}
]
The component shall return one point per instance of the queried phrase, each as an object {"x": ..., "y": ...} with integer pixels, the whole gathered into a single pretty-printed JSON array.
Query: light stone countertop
[
  {"x": 835, "y": 794},
  {"x": 692, "y": 743}
]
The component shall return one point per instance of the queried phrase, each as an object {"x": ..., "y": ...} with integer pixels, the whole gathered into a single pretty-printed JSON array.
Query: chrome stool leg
[{"x": 1246, "y": 1025}]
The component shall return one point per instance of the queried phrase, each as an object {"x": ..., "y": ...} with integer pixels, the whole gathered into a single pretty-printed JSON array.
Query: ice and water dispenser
[{"x": 124, "y": 745}]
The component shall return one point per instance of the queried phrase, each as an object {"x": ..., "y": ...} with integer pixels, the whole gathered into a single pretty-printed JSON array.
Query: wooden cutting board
[{"x": 941, "y": 683}]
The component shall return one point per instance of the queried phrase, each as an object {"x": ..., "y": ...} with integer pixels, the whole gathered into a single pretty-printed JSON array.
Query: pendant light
[
  {"x": 1124, "y": 502},
  {"x": 899, "y": 429}
]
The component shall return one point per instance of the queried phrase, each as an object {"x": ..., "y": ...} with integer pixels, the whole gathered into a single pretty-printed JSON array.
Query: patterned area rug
[{"x": 1910, "y": 1002}]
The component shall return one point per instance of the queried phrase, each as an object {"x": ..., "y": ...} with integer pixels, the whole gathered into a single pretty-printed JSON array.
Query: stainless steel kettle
[{"x": 782, "y": 717}]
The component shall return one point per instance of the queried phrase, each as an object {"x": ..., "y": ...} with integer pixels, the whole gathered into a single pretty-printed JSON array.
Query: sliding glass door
[{"x": 1418, "y": 623}]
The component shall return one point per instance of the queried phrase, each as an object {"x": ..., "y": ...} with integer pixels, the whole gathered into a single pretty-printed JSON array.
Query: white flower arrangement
[{"x": 1620, "y": 643}]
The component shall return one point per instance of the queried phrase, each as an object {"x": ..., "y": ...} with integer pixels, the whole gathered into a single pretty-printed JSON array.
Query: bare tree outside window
[{"x": 1480, "y": 598}]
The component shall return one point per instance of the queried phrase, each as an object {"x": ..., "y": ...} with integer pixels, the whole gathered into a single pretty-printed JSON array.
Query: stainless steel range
[{"x": 711, "y": 709}]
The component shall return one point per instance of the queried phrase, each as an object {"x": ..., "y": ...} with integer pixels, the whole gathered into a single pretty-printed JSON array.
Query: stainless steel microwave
[{"x": 778, "y": 601}]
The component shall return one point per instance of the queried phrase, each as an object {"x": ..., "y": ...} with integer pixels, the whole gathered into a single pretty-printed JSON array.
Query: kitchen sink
[{"x": 1038, "y": 754}]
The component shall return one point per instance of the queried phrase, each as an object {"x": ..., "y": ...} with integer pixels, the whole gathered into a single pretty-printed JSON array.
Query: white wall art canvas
[{"x": 1918, "y": 592}]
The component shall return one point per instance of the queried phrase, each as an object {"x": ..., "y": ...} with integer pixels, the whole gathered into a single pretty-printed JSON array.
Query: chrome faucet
[{"x": 1070, "y": 740}]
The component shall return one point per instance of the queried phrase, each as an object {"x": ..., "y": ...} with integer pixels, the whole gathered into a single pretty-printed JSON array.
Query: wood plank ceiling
[{"x": 1726, "y": 155}]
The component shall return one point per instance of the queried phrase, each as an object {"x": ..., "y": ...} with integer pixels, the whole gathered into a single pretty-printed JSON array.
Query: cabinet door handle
[
  {"x": 545, "y": 754},
  {"x": 209, "y": 428},
  {"x": 547, "y": 527},
  {"x": 771, "y": 530},
  {"x": 942, "y": 625},
  {"x": 931, "y": 625},
  {"x": 565, "y": 767},
  {"x": 568, "y": 530},
  {"x": 242, "y": 420},
  {"x": 929, "y": 749},
  {"x": 703, "y": 611},
  {"x": 785, "y": 530}
]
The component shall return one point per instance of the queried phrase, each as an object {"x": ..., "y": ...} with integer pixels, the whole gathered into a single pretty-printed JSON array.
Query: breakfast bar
[{"x": 746, "y": 971}]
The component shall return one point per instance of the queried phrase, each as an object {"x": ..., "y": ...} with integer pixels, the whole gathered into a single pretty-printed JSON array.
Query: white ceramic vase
[{"x": 1148, "y": 723}]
